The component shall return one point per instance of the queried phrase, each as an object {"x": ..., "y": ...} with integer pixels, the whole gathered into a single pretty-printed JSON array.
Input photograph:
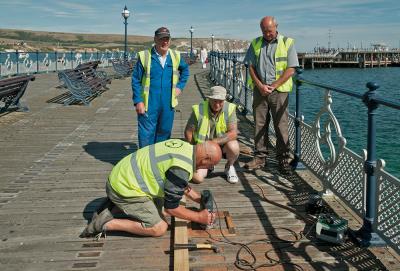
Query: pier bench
[
  {"x": 11, "y": 91},
  {"x": 189, "y": 60},
  {"x": 123, "y": 68},
  {"x": 84, "y": 82},
  {"x": 88, "y": 65}
]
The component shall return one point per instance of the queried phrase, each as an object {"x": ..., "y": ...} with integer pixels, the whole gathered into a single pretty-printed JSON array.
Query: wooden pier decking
[{"x": 55, "y": 160}]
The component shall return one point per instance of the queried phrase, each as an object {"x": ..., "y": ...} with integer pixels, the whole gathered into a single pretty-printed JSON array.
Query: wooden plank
[
  {"x": 181, "y": 256},
  {"x": 229, "y": 222},
  {"x": 227, "y": 229}
]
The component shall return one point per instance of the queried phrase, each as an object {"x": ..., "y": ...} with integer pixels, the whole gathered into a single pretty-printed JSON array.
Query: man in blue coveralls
[{"x": 158, "y": 79}]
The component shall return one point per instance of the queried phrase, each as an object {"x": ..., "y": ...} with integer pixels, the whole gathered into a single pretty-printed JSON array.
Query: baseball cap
[{"x": 162, "y": 32}]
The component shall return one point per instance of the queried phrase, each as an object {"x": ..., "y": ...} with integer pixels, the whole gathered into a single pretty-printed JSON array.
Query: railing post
[
  {"x": 246, "y": 90},
  {"x": 365, "y": 235},
  {"x": 219, "y": 68},
  {"x": 214, "y": 59},
  {"x": 225, "y": 69},
  {"x": 234, "y": 77},
  {"x": 17, "y": 60},
  {"x": 296, "y": 164},
  {"x": 56, "y": 58},
  {"x": 37, "y": 61},
  {"x": 211, "y": 61},
  {"x": 72, "y": 60}
]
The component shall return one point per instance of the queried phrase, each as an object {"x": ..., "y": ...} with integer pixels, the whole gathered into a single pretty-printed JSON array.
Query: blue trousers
[{"x": 156, "y": 125}]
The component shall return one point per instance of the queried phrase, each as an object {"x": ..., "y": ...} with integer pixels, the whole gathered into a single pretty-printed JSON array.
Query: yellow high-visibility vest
[
  {"x": 145, "y": 59},
  {"x": 142, "y": 173},
  {"x": 201, "y": 111},
  {"x": 281, "y": 52}
]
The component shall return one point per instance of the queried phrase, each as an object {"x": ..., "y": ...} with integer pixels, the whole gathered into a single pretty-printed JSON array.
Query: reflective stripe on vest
[
  {"x": 145, "y": 59},
  {"x": 282, "y": 48},
  {"x": 201, "y": 111},
  {"x": 143, "y": 172}
]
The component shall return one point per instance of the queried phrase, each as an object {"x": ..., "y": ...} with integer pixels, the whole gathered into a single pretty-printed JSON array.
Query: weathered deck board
[{"x": 55, "y": 160}]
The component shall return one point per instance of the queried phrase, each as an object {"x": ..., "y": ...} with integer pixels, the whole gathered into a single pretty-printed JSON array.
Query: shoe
[
  {"x": 231, "y": 175},
  {"x": 96, "y": 225},
  {"x": 285, "y": 168},
  {"x": 256, "y": 163}
]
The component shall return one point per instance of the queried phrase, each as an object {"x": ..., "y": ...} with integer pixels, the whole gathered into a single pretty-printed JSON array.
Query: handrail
[
  {"x": 377, "y": 99},
  {"x": 18, "y": 63},
  {"x": 361, "y": 182}
]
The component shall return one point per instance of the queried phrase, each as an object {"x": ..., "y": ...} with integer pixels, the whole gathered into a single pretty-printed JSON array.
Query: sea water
[{"x": 352, "y": 113}]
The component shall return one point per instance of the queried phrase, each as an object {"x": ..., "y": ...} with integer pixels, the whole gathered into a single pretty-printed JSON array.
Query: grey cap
[
  {"x": 162, "y": 32},
  {"x": 217, "y": 93}
]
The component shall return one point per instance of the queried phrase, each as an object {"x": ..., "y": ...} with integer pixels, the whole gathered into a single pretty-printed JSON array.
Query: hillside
[{"x": 27, "y": 40}]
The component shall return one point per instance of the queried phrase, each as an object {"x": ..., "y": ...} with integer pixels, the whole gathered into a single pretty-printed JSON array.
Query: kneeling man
[
  {"x": 153, "y": 177},
  {"x": 215, "y": 119}
]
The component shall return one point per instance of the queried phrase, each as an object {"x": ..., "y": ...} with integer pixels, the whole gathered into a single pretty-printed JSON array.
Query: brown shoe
[{"x": 256, "y": 163}]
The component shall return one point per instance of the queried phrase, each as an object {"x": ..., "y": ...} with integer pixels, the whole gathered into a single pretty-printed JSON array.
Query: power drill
[{"x": 206, "y": 202}]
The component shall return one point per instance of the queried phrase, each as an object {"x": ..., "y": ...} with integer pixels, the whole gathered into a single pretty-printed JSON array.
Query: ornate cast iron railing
[
  {"x": 15, "y": 63},
  {"x": 360, "y": 181}
]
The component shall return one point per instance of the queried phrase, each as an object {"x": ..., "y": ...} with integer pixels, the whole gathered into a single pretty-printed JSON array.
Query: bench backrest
[
  {"x": 123, "y": 67},
  {"x": 90, "y": 64},
  {"x": 11, "y": 86},
  {"x": 83, "y": 70}
]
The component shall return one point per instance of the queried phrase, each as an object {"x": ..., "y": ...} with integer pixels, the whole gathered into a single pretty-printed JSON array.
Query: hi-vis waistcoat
[
  {"x": 203, "y": 120},
  {"x": 143, "y": 173},
  {"x": 282, "y": 48},
  {"x": 145, "y": 59}
]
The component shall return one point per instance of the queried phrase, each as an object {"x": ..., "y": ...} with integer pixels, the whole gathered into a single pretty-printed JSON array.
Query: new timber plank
[{"x": 181, "y": 256}]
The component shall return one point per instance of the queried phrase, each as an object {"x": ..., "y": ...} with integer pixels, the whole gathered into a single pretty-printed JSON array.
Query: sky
[{"x": 312, "y": 23}]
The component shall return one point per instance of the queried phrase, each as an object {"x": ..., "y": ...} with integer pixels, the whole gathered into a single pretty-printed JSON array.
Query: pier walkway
[{"x": 55, "y": 160}]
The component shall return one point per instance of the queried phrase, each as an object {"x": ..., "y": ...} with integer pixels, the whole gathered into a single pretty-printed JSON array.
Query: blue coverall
[{"x": 156, "y": 124}]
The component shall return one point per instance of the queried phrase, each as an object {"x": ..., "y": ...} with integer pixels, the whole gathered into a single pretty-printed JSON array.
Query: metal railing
[
  {"x": 360, "y": 181},
  {"x": 16, "y": 63}
]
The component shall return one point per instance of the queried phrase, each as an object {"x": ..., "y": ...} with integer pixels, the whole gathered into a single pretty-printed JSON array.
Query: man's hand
[
  {"x": 178, "y": 92},
  {"x": 140, "y": 110},
  {"x": 203, "y": 217},
  {"x": 265, "y": 89},
  {"x": 274, "y": 86},
  {"x": 207, "y": 218}
]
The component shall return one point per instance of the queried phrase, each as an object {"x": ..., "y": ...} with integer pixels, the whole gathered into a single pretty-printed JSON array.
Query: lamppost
[
  {"x": 212, "y": 42},
  {"x": 191, "y": 30},
  {"x": 125, "y": 15}
]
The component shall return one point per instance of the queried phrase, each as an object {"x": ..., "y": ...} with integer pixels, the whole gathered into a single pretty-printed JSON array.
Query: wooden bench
[
  {"x": 189, "y": 60},
  {"x": 123, "y": 68},
  {"x": 11, "y": 90},
  {"x": 84, "y": 82}
]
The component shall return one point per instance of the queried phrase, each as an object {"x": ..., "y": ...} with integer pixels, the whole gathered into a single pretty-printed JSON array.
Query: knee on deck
[{"x": 159, "y": 229}]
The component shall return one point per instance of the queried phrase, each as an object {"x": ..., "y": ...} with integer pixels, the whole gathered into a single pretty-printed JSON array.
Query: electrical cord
[{"x": 244, "y": 264}]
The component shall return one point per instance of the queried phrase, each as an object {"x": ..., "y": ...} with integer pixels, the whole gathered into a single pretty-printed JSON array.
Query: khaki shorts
[{"x": 143, "y": 209}]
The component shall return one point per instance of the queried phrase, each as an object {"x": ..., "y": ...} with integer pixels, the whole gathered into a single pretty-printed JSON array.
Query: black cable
[{"x": 243, "y": 264}]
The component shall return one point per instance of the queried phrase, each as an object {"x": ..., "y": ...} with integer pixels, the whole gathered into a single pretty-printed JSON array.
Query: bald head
[
  {"x": 269, "y": 27},
  {"x": 207, "y": 154}
]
